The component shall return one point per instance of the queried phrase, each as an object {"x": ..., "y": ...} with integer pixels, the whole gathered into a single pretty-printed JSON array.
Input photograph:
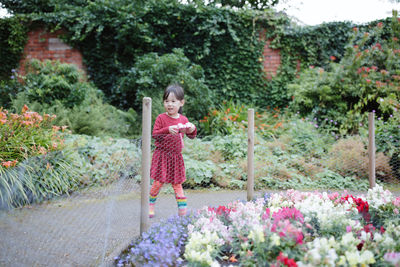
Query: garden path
[{"x": 89, "y": 228}]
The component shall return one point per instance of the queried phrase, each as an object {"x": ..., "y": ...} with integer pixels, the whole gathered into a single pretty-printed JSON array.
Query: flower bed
[{"x": 291, "y": 228}]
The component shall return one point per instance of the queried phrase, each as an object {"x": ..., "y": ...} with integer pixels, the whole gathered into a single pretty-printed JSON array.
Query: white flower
[
  {"x": 257, "y": 234},
  {"x": 367, "y": 257},
  {"x": 275, "y": 239}
]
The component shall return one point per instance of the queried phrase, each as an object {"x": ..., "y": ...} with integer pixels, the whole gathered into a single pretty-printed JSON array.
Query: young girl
[{"x": 167, "y": 164}]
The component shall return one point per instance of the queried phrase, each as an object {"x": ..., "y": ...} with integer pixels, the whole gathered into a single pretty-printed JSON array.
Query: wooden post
[
  {"x": 371, "y": 149},
  {"x": 250, "y": 154},
  {"x": 145, "y": 183}
]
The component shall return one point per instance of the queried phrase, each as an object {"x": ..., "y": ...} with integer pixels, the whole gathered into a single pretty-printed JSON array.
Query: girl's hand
[
  {"x": 190, "y": 127},
  {"x": 173, "y": 129}
]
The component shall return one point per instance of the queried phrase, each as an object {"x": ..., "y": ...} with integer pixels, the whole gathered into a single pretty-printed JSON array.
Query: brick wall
[
  {"x": 44, "y": 45},
  {"x": 271, "y": 57}
]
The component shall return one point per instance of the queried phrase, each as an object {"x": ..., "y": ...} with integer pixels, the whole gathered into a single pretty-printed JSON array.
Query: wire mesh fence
[
  {"x": 93, "y": 218},
  {"x": 306, "y": 158},
  {"x": 84, "y": 217}
]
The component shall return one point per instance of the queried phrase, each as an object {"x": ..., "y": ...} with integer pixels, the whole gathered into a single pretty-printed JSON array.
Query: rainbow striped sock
[
  {"x": 182, "y": 205},
  {"x": 151, "y": 205}
]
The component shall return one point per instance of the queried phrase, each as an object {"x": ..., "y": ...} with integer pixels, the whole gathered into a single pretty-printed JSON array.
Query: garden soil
[{"x": 88, "y": 228}]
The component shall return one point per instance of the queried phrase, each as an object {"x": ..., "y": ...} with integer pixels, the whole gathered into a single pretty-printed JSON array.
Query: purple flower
[
  {"x": 161, "y": 245},
  {"x": 12, "y": 77},
  {"x": 315, "y": 125},
  {"x": 373, "y": 111}
]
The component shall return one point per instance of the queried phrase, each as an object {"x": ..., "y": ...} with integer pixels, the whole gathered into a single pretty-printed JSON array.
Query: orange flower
[
  {"x": 233, "y": 259},
  {"x": 25, "y": 109},
  {"x": 224, "y": 118},
  {"x": 56, "y": 128},
  {"x": 6, "y": 164},
  {"x": 230, "y": 117},
  {"x": 279, "y": 124}
]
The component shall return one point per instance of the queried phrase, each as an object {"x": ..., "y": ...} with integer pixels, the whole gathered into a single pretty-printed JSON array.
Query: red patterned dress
[{"x": 167, "y": 164}]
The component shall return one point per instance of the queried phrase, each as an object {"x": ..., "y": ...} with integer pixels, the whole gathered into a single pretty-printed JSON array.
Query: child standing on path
[{"x": 167, "y": 164}]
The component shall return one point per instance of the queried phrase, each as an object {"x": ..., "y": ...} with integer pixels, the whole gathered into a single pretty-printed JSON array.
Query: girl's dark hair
[{"x": 178, "y": 92}]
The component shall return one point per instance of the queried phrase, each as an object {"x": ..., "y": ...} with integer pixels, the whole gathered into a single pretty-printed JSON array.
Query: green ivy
[
  {"x": 225, "y": 42},
  {"x": 13, "y": 37}
]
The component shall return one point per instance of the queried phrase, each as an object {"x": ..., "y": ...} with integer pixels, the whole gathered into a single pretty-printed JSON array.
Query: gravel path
[{"x": 89, "y": 228}]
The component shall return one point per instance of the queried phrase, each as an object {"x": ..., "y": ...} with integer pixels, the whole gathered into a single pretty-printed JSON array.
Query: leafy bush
[
  {"x": 304, "y": 138},
  {"x": 60, "y": 89},
  {"x": 8, "y": 90},
  {"x": 103, "y": 160},
  {"x": 227, "y": 119},
  {"x": 48, "y": 81},
  {"x": 388, "y": 140},
  {"x": 365, "y": 79},
  {"x": 13, "y": 37},
  {"x": 198, "y": 173},
  {"x": 153, "y": 73}
]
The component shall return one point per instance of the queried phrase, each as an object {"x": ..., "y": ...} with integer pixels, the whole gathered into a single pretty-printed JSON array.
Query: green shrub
[
  {"x": 103, "y": 160},
  {"x": 60, "y": 89},
  {"x": 198, "y": 173},
  {"x": 8, "y": 90},
  {"x": 152, "y": 73},
  {"x": 388, "y": 140},
  {"x": 365, "y": 80},
  {"x": 48, "y": 81},
  {"x": 304, "y": 138},
  {"x": 13, "y": 37},
  {"x": 227, "y": 119}
]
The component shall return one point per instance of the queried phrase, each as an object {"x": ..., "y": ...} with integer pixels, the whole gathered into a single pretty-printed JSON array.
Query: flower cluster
[
  {"x": 295, "y": 229},
  {"x": 162, "y": 245},
  {"x": 290, "y": 228},
  {"x": 26, "y": 134}
]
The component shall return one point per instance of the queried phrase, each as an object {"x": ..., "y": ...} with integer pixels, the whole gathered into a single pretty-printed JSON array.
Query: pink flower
[{"x": 396, "y": 202}]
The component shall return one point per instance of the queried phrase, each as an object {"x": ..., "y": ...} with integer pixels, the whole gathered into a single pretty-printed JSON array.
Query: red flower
[
  {"x": 333, "y": 58},
  {"x": 285, "y": 260}
]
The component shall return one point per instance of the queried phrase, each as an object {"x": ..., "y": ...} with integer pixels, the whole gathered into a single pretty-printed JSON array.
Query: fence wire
[
  {"x": 93, "y": 224},
  {"x": 86, "y": 227}
]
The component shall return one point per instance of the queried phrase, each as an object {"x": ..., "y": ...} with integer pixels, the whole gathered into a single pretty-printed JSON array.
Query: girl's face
[{"x": 172, "y": 105}]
